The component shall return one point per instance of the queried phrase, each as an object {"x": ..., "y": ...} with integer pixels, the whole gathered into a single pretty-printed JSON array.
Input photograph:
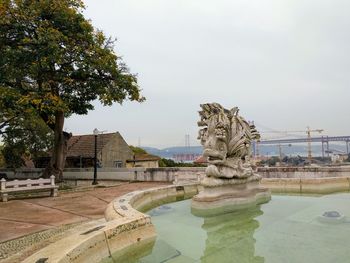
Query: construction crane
[{"x": 308, "y": 132}]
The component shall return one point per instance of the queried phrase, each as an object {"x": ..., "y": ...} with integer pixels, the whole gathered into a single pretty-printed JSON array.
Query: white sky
[{"x": 284, "y": 63}]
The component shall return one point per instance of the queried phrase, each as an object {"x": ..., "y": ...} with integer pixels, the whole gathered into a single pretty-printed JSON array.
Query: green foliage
[
  {"x": 10, "y": 108},
  {"x": 13, "y": 155},
  {"x": 2, "y": 158},
  {"x": 53, "y": 63},
  {"x": 54, "y": 60},
  {"x": 28, "y": 137},
  {"x": 137, "y": 150},
  {"x": 161, "y": 163},
  {"x": 271, "y": 161},
  {"x": 171, "y": 163}
]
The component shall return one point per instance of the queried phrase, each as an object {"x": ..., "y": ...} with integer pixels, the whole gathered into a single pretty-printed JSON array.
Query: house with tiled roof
[
  {"x": 201, "y": 160},
  {"x": 112, "y": 151},
  {"x": 143, "y": 160}
]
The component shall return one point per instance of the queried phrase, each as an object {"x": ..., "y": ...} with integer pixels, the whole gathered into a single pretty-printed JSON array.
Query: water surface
[{"x": 287, "y": 229}]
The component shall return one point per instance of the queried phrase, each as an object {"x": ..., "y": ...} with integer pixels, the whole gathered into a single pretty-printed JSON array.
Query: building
[
  {"x": 143, "y": 160},
  {"x": 185, "y": 157},
  {"x": 201, "y": 161},
  {"x": 112, "y": 151}
]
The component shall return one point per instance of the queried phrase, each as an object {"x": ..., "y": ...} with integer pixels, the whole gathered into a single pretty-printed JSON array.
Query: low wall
[
  {"x": 124, "y": 230},
  {"x": 167, "y": 174},
  {"x": 283, "y": 179},
  {"x": 304, "y": 172},
  {"x": 137, "y": 174},
  {"x": 324, "y": 185}
]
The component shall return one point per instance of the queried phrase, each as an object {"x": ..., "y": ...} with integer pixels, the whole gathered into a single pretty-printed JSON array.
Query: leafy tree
[
  {"x": 13, "y": 155},
  {"x": 272, "y": 161},
  {"x": 2, "y": 158},
  {"x": 171, "y": 163},
  {"x": 137, "y": 150},
  {"x": 28, "y": 137},
  {"x": 56, "y": 64},
  {"x": 10, "y": 108},
  {"x": 166, "y": 163}
]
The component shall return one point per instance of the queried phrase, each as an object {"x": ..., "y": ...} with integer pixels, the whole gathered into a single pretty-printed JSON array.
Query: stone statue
[{"x": 227, "y": 138}]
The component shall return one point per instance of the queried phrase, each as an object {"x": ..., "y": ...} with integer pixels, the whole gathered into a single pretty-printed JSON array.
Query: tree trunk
[{"x": 59, "y": 151}]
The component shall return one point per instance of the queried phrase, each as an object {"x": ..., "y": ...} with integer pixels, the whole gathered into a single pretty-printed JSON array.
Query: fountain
[{"x": 230, "y": 182}]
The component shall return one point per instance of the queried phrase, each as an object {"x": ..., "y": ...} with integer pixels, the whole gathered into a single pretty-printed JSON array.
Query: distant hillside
[
  {"x": 171, "y": 151},
  {"x": 271, "y": 150}
]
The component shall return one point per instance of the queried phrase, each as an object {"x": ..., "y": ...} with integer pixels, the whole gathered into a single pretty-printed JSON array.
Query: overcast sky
[{"x": 284, "y": 63}]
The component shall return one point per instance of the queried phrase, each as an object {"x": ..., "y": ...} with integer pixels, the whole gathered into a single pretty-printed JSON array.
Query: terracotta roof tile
[
  {"x": 84, "y": 145},
  {"x": 201, "y": 159},
  {"x": 142, "y": 157}
]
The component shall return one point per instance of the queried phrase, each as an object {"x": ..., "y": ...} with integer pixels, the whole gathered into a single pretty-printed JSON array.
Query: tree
[
  {"x": 2, "y": 158},
  {"x": 137, "y": 150},
  {"x": 56, "y": 64},
  {"x": 26, "y": 137},
  {"x": 171, "y": 163}
]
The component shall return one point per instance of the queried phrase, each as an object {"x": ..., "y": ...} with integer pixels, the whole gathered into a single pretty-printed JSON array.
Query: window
[{"x": 118, "y": 164}]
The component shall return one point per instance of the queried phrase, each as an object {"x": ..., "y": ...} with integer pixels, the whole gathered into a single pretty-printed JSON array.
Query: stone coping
[
  {"x": 344, "y": 168},
  {"x": 326, "y": 185},
  {"x": 124, "y": 226}
]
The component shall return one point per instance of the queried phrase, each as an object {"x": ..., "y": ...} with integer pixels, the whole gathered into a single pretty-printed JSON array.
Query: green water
[{"x": 287, "y": 229}]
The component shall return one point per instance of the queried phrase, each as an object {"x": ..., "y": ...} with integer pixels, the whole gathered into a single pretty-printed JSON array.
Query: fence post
[
  {"x": 176, "y": 175},
  {"x": 52, "y": 178},
  {"x": 2, "y": 187},
  {"x": 29, "y": 182},
  {"x": 53, "y": 190},
  {"x": 198, "y": 177},
  {"x": 3, "y": 184}
]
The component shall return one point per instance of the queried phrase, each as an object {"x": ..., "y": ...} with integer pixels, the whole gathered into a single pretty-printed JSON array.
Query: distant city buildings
[{"x": 185, "y": 157}]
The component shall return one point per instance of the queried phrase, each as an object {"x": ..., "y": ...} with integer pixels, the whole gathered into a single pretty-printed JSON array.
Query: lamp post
[{"x": 94, "y": 182}]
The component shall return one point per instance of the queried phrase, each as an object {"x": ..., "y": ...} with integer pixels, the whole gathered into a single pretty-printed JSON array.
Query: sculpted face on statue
[
  {"x": 226, "y": 138},
  {"x": 214, "y": 137}
]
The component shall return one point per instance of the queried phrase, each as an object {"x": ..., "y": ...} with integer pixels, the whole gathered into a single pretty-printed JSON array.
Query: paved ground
[{"x": 23, "y": 217}]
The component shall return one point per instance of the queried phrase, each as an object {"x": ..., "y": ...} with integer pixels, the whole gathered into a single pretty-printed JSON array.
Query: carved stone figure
[{"x": 227, "y": 138}]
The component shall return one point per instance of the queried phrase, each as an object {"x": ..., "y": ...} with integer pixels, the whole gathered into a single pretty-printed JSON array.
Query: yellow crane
[{"x": 308, "y": 132}]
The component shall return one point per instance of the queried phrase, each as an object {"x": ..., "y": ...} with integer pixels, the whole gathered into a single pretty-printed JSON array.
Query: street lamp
[{"x": 94, "y": 182}]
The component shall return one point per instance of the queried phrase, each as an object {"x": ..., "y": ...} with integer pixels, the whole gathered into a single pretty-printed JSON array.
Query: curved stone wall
[{"x": 124, "y": 227}]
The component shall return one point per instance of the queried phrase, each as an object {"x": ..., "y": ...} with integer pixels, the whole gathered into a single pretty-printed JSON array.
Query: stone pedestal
[{"x": 227, "y": 195}]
